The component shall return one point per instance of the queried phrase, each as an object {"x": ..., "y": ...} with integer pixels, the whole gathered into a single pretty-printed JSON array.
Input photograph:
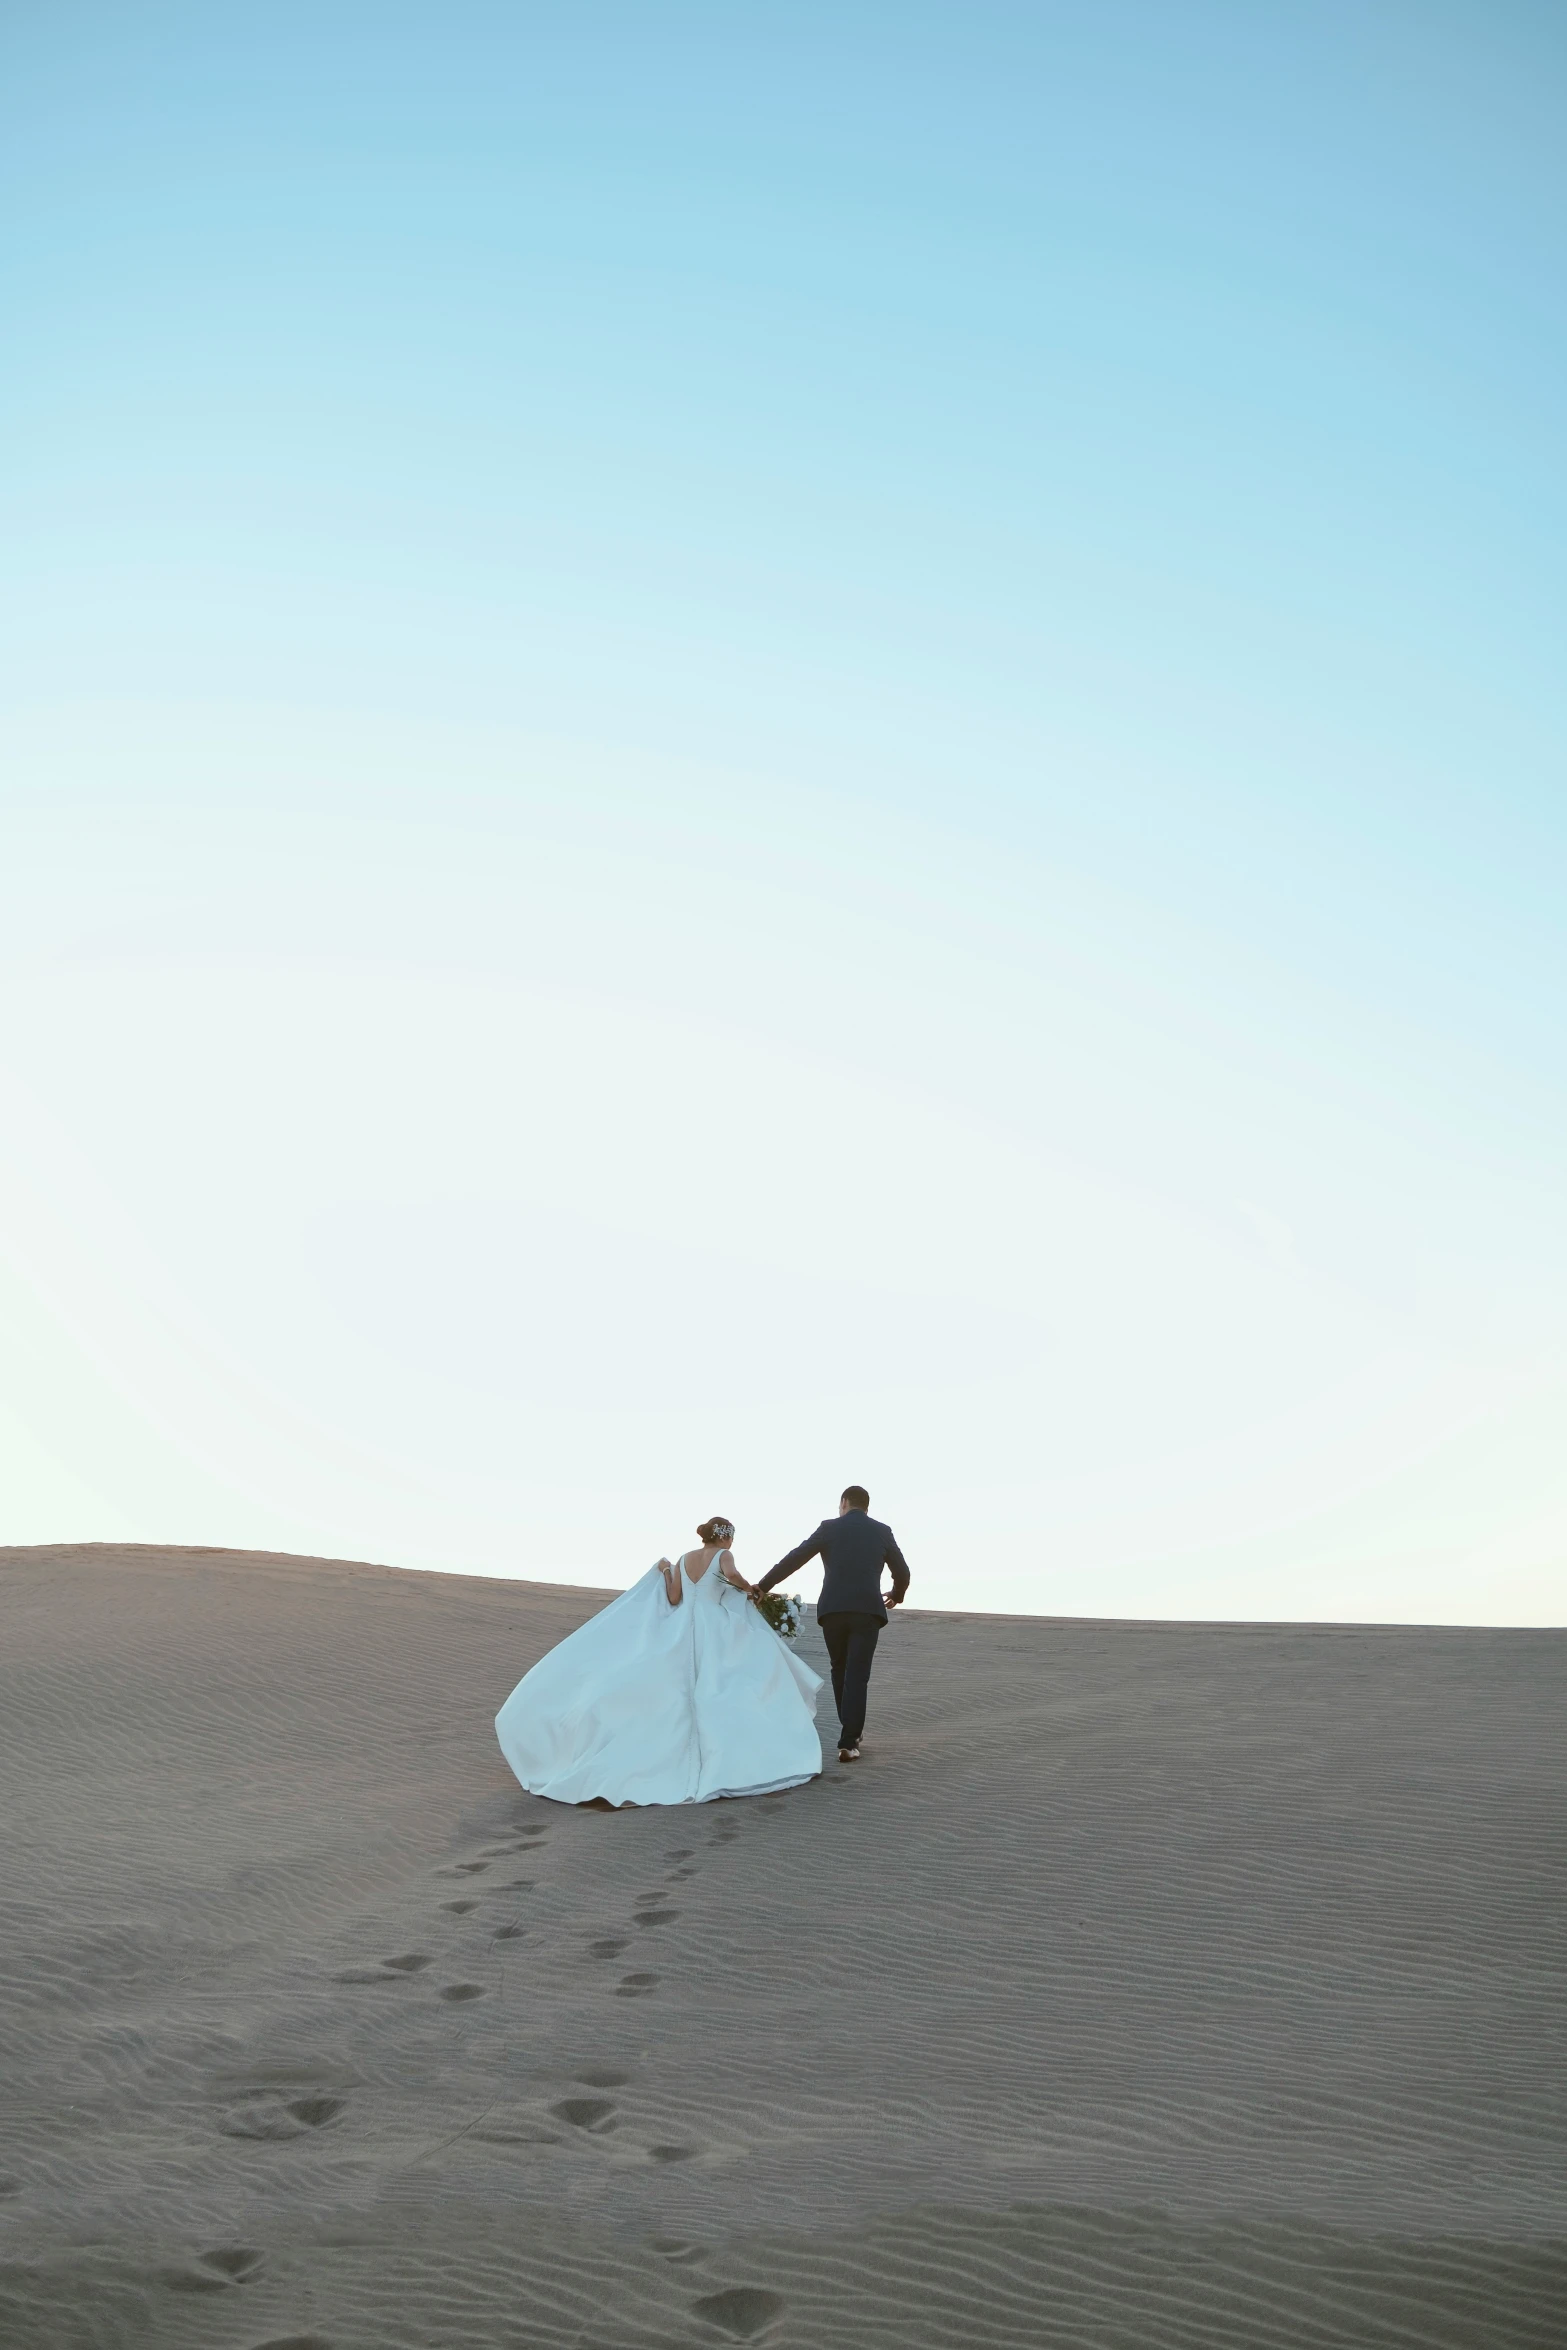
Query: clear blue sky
[{"x": 744, "y": 746}]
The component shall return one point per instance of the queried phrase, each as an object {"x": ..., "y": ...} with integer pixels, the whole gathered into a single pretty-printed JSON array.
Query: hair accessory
[{"x": 720, "y": 1530}]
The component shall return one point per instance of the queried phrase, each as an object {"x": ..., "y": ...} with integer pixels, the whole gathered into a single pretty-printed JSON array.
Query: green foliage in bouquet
[{"x": 783, "y": 1614}]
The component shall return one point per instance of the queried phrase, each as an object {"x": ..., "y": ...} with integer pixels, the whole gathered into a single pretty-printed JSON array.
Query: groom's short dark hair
[{"x": 856, "y": 1497}]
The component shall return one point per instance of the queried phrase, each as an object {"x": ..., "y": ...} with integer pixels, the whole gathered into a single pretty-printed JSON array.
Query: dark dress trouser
[{"x": 851, "y": 1644}]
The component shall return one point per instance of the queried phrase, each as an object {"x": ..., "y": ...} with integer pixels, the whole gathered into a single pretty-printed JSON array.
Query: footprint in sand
[
  {"x": 655, "y": 1917},
  {"x": 608, "y": 1946},
  {"x": 10, "y": 2186},
  {"x": 587, "y": 2113},
  {"x": 265, "y": 2116},
  {"x": 635, "y": 1986},
  {"x": 681, "y": 1852},
  {"x": 237, "y": 2262},
  {"x": 389, "y": 1968},
  {"x": 677, "y": 2250},
  {"x": 459, "y": 1909},
  {"x": 459, "y": 1991},
  {"x": 509, "y": 1933},
  {"x": 743, "y": 2312},
  {"x": 192, "y": 2280},
  {"x": 464, "y": 1868},
  {"x": 602, "y": 2076},
  {"x": 314, "y": 2112},
  {"x": 293, "y": 2342},
  {"x": 214, "y": 2272},
  {"x": 670, "y": 2153}
]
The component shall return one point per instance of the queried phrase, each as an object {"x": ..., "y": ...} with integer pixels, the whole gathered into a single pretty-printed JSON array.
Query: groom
[{"x": 854, "y": 1547}]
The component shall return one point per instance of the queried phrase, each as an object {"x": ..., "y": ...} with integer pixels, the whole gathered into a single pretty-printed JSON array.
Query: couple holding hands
[{"x": 681, "y": 1691}]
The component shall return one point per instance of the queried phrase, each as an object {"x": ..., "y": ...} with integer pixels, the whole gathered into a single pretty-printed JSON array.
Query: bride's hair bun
[{"x": 717, "y": 1530}]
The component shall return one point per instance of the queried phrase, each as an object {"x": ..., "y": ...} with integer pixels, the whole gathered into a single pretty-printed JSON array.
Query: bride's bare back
[{"x": 695, "y": 1564}]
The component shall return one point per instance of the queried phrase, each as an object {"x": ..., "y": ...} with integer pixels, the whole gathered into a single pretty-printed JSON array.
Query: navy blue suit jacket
[{"x": 853, "y": 1550}]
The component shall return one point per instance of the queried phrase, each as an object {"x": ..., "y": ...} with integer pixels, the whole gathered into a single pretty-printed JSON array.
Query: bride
[{"x": 677, "y": 1692}]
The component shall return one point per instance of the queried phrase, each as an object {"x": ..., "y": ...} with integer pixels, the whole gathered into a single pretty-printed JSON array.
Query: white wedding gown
[{"x": 648, "y": 1703}]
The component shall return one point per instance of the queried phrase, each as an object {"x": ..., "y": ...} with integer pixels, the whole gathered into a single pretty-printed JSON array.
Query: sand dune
[{"x": 1146, "y": 1985}]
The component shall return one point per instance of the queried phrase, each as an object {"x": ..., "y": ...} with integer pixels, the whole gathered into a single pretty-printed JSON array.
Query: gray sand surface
[{"x": 1146, "y": 1985}]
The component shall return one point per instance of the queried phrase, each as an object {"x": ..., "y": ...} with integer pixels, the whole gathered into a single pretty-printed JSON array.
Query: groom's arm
[
  {"x": 795, "y": 1560},
  {"x": 897, "y": 1567}
]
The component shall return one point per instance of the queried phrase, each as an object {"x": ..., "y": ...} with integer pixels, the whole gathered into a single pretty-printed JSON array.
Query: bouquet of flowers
[{"x": 783, "y": 1614}]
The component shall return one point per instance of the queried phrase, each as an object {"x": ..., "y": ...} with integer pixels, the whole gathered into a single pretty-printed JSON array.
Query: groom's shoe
[{"x": 848, "y": 1754}]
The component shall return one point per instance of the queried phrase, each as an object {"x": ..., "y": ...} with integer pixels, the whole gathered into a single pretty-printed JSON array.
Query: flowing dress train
[{"x": 647, "y": 1703}]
